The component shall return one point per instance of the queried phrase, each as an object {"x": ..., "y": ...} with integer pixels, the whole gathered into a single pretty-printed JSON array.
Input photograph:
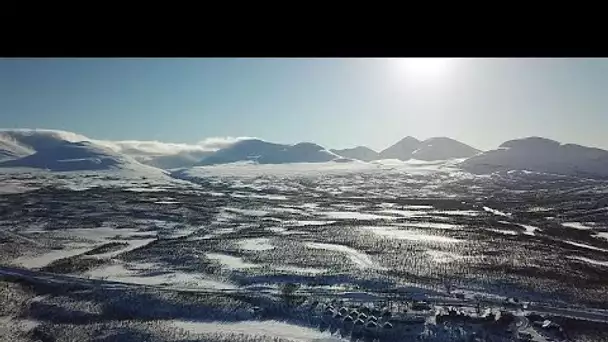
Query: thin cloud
[
  {"x": 217, "y": 143},
  {"x": 53, "y": 133},
  {"x": 159, "y": 148},
  {"x": 136, "y": 148}
]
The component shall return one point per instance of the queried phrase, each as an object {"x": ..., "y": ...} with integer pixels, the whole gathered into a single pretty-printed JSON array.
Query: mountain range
[
  {"x": 438, "y": 148},
  {"x": 67, "y": 151},
  {"x": 263, "y": 152}
]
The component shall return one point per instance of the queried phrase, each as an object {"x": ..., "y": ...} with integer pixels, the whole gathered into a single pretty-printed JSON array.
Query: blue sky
[{"x": 334, "y": 102}]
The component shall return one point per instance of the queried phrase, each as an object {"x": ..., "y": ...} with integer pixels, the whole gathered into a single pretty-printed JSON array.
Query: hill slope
[
  {"x": 175, "y": 161},
  {"x": 439, "y": 148},
  {"x": 442, "y": 148},
  {"x": 541, "y": 155},
  {"x": 401, "y": 150},
  {"x": 360, "y": 153}
]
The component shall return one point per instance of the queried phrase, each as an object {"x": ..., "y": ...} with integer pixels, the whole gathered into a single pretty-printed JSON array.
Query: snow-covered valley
[{"x": 275, "y": 252}]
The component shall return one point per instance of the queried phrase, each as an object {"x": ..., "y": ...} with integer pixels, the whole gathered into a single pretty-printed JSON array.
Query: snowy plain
[{"x": 203, "y": 262}]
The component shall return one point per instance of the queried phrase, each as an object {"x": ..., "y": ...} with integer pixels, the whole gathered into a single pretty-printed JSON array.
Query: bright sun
[{"x": 425, "y": 70}]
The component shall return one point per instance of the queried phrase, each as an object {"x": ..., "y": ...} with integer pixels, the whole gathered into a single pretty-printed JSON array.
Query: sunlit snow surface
[
  {"x": 352, "y": 215},
  {"x": 247, "y": 170},
  {"x": 506, "y": 232},
  {"x": 46, "y": 258},
  {"x": 583, "y": 245},
  {"x": 397, "y": 233},
  {"x": 495, "y": 212},
  {"x": 591, "y": 261},
  {"x": 529, "y": 229},
  {"x": 145, "y": 179},
  {"x": 361, "y": 260},
  {"x": 576, "y": 225},
  {"x": 147, "y": 274},
  {"x": 256, "y": 244},
  {"x": 260, "y": 329},
  {"x": 230, "y": 262}
]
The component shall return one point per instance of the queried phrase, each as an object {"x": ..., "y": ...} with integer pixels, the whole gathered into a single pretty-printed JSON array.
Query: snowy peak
[
  {"x": 534, "y": 143},
  {"x": 37, "y": 139},
  {"x": 541, "y": 155},
  {"x": 67, "y": 156},
  {"x": 245, "y": 150},
  {"x": 360, "y": 153},
  {"x": 263, "y": 152},
  {"x": 70, "y": 156},
  {"x": 438, "y": 148},
  {"x": 401, "y": 150},
  {"x": 442, "y": 148},
  {"x": 19, "y": 143}
]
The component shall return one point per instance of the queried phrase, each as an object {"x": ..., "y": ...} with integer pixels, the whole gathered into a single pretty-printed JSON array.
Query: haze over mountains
[{"x": 67, "y": 151}]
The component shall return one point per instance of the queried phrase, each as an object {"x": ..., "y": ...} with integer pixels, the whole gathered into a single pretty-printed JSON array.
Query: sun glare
[{"x": 424, "y": 70}]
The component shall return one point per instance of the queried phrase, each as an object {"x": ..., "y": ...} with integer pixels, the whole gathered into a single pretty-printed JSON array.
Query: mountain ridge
[
  {"x": 263, "y": 152},
  {"x": 436, "y": 148},
  {"x": 67, "y": 151}
]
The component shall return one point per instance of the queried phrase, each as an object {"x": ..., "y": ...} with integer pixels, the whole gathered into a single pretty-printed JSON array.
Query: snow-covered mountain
[
  {"x": 19, "y": 143},
  {"x": 541, "y": 155},
  {"x": 439, "y": 148},
  {"x": 360, "y": 153},
  {"x": 442, "y": 148},
  {"x": 61, "y": 151},
  {"x": 401, "y": 150},
  {"x": 263, "y": 152},
  {"x": 66, "y": 151}
]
